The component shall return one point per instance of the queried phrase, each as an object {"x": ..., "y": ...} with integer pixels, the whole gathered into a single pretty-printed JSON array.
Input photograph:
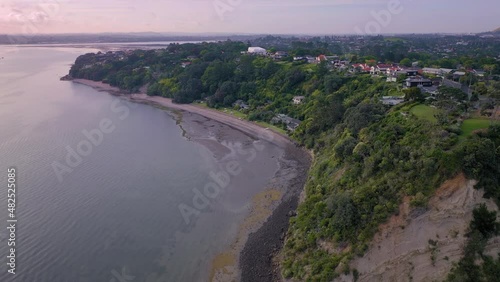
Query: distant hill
[{"x": 497, "y": 30}]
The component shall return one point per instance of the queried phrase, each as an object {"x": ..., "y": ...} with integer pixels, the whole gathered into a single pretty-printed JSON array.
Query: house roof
[
  {"x": 364, "y": 67},
  {"x": 418, "y": 80},
  {"x": 384, "y": 66},
  {"x": 322, "y": 58},
  {"x": 431, "y": 70},
  {"x": 256, "y": 50}
]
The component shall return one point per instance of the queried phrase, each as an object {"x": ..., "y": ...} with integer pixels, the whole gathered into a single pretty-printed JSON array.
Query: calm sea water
[{"x": 112, "y": 212}]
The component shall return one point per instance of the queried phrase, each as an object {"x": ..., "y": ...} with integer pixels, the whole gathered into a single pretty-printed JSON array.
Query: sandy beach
[
  {"x": 238, "y": 124},
  {"x": 252, "y": 256}
]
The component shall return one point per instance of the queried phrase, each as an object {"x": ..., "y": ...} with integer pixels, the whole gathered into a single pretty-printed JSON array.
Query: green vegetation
[
  {"x": 368, "y": 164},
  {"x": 368, "y": 156},
  {"x": 425, "y": 112},
  {"x": 483, "y": 226},
  {"x": 470, "y": 125},
  {"x": 360, "y": 177},
  {"x": 241, "y": 115}
]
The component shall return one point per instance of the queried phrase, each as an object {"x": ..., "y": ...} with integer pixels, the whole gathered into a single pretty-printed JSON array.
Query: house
[
  {"x": 457, "y": 85},
  {"x": 332, "y": 58},
  {"x": 435, "y": 71},
  {"x": 432, "y": 71},
  {"x": 479, "y": 73},
  {"x": 185, "y": 64},
  {"x": 362, "y": 68},
  {"x": 407, "y": 72},
  {"x": 297, "y": 100},
  {"x": 291, "y": 123},
  {"x": 392, "y": 100},
  {"x": 311, "y": 59},
  {"x": 321, "y": 58},
  {"x": 410, "y": 72},
  {"x": 257, "y": 51},
  {"x": 340, "y": 64},
  {"x": 446, "y": 71},
  {"x": 415, "y": 82},
  {"x": 296, "y": 59},
  {"x": 241, "y": 104},
  {"x": 458, "y": 74},
  {"x": 392, "y": 71},
  {"x": 380, "y": 69},
  {"x": 279, "y": 55}
]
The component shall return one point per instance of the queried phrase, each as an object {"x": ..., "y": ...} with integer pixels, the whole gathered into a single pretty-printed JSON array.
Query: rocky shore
[{"x": 259, "y": 258}]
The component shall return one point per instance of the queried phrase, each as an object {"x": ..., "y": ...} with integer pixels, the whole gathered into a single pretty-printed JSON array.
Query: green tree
[
  {"x": 485, "y": 221},
  {"x": 481, "y": 89},
  {"x": 413, "y": 94},
  {"x": 494, "y": 95},
  {"x": 406, "y": 62},
  {"x": 489, "y": 68},
  {"x": 215, "y": 74},
  {"x": 322, "y": 69}
]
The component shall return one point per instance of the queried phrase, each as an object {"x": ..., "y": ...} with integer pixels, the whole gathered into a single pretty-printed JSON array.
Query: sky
[{"x": 249, "y": 16}]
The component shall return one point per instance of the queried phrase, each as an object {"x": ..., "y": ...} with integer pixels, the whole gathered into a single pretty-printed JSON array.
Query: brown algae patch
[
  {"x": 225, "y": 265},
  {"x": 261, "y": 209}
]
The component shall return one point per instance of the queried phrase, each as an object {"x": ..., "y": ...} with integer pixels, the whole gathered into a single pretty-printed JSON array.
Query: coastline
[
  {"x": 263, "y": 232},
  {"x": 241, "y": 125}
]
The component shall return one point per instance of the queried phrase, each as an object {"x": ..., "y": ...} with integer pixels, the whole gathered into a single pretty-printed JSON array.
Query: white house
[
  {"x": 392, "y": 100},
  {"x": 441, "y": 71},
  {"x": 297, "y": 100},
  {"x": 257, "y": 50},
  {"x": 311, "y": 59},
  {"x": 432, "y": 71},
  {"x": 380, "y": 69}
]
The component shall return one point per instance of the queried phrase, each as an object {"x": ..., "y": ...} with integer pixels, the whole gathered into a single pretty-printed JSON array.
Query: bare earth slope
[{"x": 421, "y": 245}]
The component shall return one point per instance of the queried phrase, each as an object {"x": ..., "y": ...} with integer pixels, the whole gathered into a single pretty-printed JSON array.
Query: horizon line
[{"x": 241, "y": 34}]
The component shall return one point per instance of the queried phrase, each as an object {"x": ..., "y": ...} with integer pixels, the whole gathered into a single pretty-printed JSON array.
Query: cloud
[
  {"x": 246, "y": 16},
  {"x": 313, "y": 3},
  {"x": 22, "y": 12}
]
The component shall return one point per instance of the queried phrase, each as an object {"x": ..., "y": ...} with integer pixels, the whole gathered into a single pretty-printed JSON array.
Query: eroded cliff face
[{"x": 422, "y": 244}]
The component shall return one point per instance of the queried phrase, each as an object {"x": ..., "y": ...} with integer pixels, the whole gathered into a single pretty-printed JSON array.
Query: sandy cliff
[{"x": 422, "y": 244}]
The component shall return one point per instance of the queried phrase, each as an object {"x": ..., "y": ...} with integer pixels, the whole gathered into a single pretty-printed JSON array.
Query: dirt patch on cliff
[{"x": 422, "y": 244}]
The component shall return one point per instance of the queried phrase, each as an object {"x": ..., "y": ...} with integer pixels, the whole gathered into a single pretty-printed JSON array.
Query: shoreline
[
  {"x": 238, "y": 124},
  {"x": 256, "y": 250}
]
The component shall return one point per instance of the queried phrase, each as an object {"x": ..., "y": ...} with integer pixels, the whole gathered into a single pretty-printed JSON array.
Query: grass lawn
[
  {"x": 471, "y": 125},
  {"x": 396, "y": 93},
  {"x": 274, "y": 128},
  {"x": 425, "y": 112},
  {"x": 288, "y": 64}
]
